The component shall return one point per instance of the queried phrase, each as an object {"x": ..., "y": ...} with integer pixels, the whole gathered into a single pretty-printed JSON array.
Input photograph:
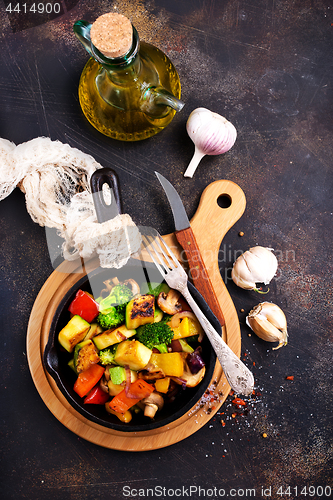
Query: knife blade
[{"x": 186, "y": 239}]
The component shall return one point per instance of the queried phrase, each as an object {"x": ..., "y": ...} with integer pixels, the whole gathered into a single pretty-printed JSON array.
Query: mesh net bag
[{"x": 55, "y": 179}]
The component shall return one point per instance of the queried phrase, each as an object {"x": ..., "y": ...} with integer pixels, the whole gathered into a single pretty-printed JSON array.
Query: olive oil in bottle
[{"x": 131, "y": 96}]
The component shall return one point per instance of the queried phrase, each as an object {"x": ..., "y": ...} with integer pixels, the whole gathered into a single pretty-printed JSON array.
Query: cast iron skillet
[{"x": 56, "y": 359}]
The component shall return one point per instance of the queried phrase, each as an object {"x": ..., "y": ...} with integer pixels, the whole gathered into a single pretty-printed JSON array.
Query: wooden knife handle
[{"x": 198, "y": 271}]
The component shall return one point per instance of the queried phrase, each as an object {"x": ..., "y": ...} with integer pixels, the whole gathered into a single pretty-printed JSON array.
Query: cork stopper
[{"x": 112, "y": 34}]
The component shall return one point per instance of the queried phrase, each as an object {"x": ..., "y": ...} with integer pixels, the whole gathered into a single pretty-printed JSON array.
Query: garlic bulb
[
  {"x": 268, "y": 321},
  {"x": 211, "y": 133},
  {"x": 256, "y": 265}
]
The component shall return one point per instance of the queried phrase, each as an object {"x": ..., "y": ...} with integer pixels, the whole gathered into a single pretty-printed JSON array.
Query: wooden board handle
[{"x": 212, "y": 221}]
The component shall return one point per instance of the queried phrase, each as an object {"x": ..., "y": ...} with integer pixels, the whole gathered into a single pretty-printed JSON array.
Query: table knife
[{"x": 187, "y": 241}]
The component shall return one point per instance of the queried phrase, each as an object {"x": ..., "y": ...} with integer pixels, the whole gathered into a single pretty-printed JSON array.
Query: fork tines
[{"x": 159, "y": 251}]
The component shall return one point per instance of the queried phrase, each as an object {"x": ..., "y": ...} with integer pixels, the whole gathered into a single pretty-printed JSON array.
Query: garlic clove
[
  {"x": 274, "y": 315},
  {"x": 263, "y": 262},
  {"x": 268, "y": 322},
  {"x": 211, "y": 133},
  {"x": 242, "y": 275},
  {"x": 256, "y": 265}
]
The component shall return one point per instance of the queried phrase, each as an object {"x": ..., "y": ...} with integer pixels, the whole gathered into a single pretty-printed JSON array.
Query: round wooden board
[{"x": 63, "y": 278}]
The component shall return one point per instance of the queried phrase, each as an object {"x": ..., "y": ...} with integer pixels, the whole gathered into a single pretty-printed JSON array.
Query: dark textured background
[{"x": 266, "y": 65}]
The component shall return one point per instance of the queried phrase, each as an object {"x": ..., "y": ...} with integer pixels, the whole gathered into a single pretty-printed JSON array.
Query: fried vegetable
[
  {"x": 73, "y": 333},
  {"x": 133, "y": 354},
  {"x": 187, "y": 328},
  {"x": 162, "y": 385},
  {"x": 119, "y": 295},
  {"x": 88, "y": 379},
  {"x": 85, "y": 355},
  {"x": 155, "y": 288},
  {"x": 123, "y": 417},
  {"x": 117, "y": 383},
  {"x": 140, "y": 311},
  {"x": 169, "y": 303},
  {"x": 171, "y": 363},
  {"x": 152, "y": 404},
  {"x": 110, "y": 318},
  {"x": 190, "y": 379},
  {"x": 94, "y": 329},
  {"x": 113, "y": 336},
  {"x": 106, "y": 356},
  {"x": 84, "y": 305},
  {"x": 126, "y": 399},
  {"x": 154, "y": 335},
  {"x": 96, "y": 396},
  {"x": 117, "y": 374}
]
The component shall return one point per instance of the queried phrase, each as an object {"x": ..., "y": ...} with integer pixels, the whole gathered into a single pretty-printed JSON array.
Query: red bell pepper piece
[
  {"x": 96, "y": 396},
  {"x": 84, "y": 305},
  {"x": 138, "y": 390},
  {"x": 87, "y": 379}
]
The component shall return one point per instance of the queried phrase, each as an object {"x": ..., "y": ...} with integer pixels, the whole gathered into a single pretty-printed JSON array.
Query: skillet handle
[{"x": 100, "y": 177}]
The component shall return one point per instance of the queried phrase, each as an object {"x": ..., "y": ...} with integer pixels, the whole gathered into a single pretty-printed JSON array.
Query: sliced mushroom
[
  {"x": 111, "y": 283},
  {"x": 169, "y": 303},
  {"x": 108, "y": 287},
  {"x": 104, "y": 384},
  {"x": 188, "y": 377},
  {"x": 151, "y": 372},
  {"x": 153, "y": 403},
  {"x": 107, "y": 372},
  {"x": 133, "y": 285}
]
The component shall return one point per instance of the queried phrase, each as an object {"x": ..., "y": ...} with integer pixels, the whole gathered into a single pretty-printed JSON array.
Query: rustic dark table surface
[{"x": 267, "y": 66}]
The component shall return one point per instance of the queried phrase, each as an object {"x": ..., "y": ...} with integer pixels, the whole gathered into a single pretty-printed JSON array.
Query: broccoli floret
[
  {"x": 110, "y": 318},
  {"x": 166, "y": 318},
  {"x": 154, "y": 288},
  {"x": 155, "y": 335},
  {"x": 107, "y": 355},
  {"x": 119, "y": 296}
]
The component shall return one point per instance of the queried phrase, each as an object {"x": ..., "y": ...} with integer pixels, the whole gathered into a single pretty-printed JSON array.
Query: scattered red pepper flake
[
  {"x": 234, "y": 415},
  {"x": 238, "y": 402},
  {"x": 223, "y": 423},
  {"x": 231, "y": 393},
  {"x": 254, "y": 363},
  {"x": 290, "y": 377},
  {"x": 245, "y": 353}
]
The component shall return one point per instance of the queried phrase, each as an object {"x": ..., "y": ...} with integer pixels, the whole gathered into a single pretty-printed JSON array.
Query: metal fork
[{"x": 238, "y": 375}]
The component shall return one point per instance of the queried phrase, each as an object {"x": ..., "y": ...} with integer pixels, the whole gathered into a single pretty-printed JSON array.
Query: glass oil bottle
[{"x": 129, "y": 97}]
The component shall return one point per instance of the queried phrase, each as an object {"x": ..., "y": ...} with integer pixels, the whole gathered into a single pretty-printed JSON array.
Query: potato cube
[{"x": 133, "y": 354}]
